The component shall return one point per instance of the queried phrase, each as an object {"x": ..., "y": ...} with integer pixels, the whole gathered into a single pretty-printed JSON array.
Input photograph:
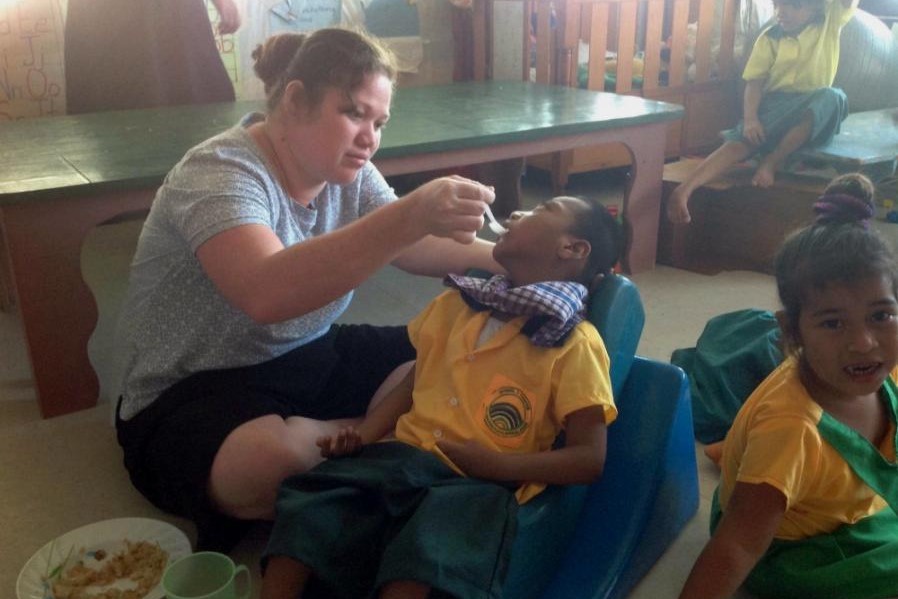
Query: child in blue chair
[
  {"x": 788, "y": 100},
  {"x": 503, "y": 365},
  {"x": 808, "y": 494}
]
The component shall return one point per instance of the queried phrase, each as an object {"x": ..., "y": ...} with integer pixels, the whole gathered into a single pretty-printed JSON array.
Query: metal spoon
[{"x": 494, "y": 225}]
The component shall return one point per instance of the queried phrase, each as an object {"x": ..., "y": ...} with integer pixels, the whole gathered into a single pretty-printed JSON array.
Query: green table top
[{"x": 75, "y": 155}]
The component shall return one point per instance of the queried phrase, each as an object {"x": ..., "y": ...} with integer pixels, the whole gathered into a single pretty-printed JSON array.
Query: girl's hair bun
[
  {"x": 842, "y": 208},
  {"x": 847, "y": 199}
]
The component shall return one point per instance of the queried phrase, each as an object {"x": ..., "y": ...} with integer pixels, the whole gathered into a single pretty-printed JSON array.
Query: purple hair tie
[{"x": 843, "y": 208}]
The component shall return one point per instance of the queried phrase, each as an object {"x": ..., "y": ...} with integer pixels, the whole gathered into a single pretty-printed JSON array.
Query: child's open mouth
[{"x": 861, "y": 371}]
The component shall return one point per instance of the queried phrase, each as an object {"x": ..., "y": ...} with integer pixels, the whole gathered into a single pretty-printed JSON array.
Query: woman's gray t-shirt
[{"x": 174, "y": 321}]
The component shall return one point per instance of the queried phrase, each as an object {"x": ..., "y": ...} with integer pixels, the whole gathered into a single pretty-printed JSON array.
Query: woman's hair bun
[
  {"x": 272, "y": 57},
  {"x": 848, "y": 198}
]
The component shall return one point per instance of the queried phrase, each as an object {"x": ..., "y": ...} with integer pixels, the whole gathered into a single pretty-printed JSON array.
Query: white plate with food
[{"x": 121, "y": 558}]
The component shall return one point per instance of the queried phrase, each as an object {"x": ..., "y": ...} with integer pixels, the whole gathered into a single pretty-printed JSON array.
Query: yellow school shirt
[
  {"x": 774, "y": 440},
  {"x": 804, "y": 62},
  {"x": 508, "y": 394}
]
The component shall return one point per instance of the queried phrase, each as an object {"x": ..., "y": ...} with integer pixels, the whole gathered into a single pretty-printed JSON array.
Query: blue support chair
[
  {"x": 582, "y": 541},
  {"x": 647, "y": 494},
  {"x": 616, "y": 310}
]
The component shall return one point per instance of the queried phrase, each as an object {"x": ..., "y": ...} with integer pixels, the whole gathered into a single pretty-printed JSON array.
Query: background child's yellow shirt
[
  {"x": 774, "y": 440},
  {"x": 508, "y": 394},
  {"x": 804, "y": 62}
]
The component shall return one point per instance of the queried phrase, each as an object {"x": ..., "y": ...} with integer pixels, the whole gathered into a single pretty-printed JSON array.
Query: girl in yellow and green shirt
[{"x": 809, "y": 481}]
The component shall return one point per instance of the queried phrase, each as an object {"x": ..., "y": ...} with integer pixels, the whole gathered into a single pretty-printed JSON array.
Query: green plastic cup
[{"x": 206, "y": 575}]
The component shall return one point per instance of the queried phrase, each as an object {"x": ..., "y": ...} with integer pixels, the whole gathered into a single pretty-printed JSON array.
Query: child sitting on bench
[
  {"x": 503, "y": 364},
  {"x": 788, "y": 103}
]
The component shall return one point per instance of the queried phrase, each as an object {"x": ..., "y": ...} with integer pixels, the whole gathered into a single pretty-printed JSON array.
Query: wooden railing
[{"x": 680, "y": 51}]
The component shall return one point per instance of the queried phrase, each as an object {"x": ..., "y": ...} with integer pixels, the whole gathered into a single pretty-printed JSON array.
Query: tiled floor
[{"x": 58, "y": 474}]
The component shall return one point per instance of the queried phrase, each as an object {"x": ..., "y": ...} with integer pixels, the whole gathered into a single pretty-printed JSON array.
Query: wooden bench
[{"x": 736, "y": 226}]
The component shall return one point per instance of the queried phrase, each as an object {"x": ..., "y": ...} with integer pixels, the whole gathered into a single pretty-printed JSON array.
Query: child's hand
[
  {"x": 753, "y": 132},
  {"x": 474, "y": 459},
  {"x": 348, "y": 442}
]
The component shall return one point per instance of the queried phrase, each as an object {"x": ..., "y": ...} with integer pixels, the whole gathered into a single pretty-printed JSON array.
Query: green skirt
[
  {"x": 395, "y": 512},
  {"x": 857, "y": 561}
]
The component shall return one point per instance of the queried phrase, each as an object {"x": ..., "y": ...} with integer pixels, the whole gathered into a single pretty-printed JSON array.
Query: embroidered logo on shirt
[{"x": 508, "y": 412}]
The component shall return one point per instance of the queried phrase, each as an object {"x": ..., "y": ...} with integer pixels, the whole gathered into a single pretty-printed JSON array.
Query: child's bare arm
[
  {"x": 581, "y": 460},
  {"x": 380, "y": 420},
  {"x": 745, "y": 532},
  {"x": 752, "y": 129}
]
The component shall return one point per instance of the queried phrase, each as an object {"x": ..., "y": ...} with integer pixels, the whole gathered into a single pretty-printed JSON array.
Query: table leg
[
  {"x": 642, "y": 197},
  {"x": 505, "y": 177},
  {"x": 7, "y": 292},
  {"x": 58, "y": 310}
]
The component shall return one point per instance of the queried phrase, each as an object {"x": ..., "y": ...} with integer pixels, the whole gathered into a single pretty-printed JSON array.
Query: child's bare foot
[
  {"x": 764, "y": 176},
  {"x": 677, "y": 212},
  {"x": 714, "y": 452}
]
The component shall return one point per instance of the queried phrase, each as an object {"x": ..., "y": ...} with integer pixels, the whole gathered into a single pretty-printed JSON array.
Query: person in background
[
  {"x": 503, "y": 365},
  {"x": 808, "y": 493},
  {"x": 233, "y": 364},
  {"x": 788, "y": 102},
  {"x": 123, "y": 54}
]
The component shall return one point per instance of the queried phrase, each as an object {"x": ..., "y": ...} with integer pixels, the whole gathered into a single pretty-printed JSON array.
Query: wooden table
[{"x": 63, "y": 176}]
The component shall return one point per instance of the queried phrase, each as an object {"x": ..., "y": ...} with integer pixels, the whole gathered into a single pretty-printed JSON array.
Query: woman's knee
[{"x": 250, "y": 465}]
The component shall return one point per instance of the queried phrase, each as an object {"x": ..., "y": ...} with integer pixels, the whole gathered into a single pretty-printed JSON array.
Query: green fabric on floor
[{"x": 735, "y": 352}]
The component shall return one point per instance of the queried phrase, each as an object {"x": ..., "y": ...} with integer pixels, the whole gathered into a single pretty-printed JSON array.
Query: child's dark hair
[
  {"x": 604, "y": 234},
  {"x": 330, "y": 57},
  {"x": 839, "y": 246}
]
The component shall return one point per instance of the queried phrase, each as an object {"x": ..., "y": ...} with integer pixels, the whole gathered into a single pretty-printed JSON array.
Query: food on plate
[{"x": 134, "y": 572}]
